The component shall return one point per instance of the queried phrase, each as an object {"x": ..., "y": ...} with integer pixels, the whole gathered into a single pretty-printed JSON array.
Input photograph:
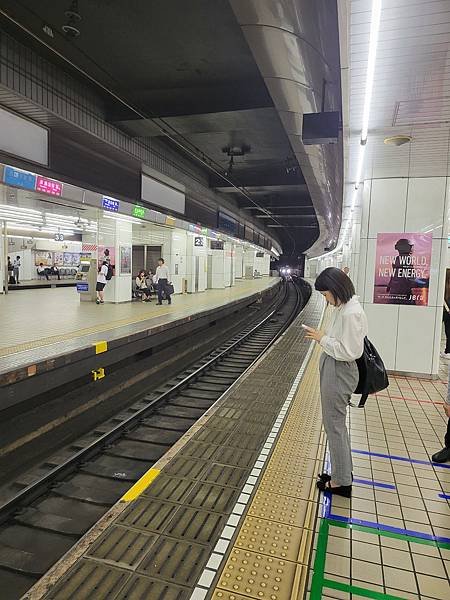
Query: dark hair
[
  {"x": 337, "y": 282},
  {"x": 106, "y": 252},
  {"x": 161, "y": 259}
]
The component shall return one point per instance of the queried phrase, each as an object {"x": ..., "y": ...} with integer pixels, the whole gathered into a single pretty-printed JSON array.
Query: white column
[
  {"x": 227, "y": 270},
  {"x": 238, "y": 261},
  {"x": 249, "y": 263},
  {"x": 115, "y": 233},
  {"x": 178, "y": 260},
  {"x": 407, "y": 337},
  {"x": 217, "y": 266}
]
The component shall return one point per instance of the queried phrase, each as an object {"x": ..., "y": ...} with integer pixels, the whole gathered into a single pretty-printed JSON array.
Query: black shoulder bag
[{"x": 372, "y": 373}]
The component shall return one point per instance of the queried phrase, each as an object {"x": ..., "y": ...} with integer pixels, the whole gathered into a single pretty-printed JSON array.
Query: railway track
[{"x": 46, "y": 518}]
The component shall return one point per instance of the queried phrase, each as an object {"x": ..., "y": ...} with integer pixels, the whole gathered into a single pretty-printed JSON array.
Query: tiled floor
[
  {"x": 33, "y": 318},
  {"x": 392, "y": 540}
]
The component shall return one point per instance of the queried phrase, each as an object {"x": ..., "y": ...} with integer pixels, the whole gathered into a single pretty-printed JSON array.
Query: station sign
[
  {"x": 138, "y": 211},
  {"x": 82, "y": 286},
  {"x": 48, "y": 186},
  {"x": 18, "y": 178},
  {"x": 110, "y": 204},
  {"x": 59, "y": 237}
]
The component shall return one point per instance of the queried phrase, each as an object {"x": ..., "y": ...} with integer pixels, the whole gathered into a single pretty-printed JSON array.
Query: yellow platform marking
[
  {"x": 100, "y": 347},
  {"x": 140, "y": 485},
  {"x": 98, "y": 374},
  {"x": 279, "y": 524}
]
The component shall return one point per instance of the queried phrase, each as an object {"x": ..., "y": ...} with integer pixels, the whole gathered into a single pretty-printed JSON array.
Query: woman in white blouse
[{"x": 342, "y": 344}]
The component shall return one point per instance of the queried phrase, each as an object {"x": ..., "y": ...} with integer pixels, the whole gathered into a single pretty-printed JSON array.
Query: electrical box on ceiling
[{"x": 320, "y": 128}]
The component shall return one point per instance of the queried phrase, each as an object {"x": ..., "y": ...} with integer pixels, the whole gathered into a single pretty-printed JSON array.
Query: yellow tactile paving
[{"x": 271, "y": 551}]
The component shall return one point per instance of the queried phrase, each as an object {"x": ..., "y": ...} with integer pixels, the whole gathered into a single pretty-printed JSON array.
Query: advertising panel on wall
[
  {"x": 106, "y": 254},
  {"x": 22, "y": 137},
  {"x": 402, "y": 268},
  {"x": 125, "y": 260},
  {"x": 162, "y": 195}
]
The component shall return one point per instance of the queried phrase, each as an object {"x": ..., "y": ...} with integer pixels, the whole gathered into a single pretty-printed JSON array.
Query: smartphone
[{"x": 306, "y": 326}]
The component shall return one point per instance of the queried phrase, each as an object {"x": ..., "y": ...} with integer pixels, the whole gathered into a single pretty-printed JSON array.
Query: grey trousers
[{"x": 338, "y": 381}]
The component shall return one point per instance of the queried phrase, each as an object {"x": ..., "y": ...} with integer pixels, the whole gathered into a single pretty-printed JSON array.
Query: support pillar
[{"x": 407, "y": 336}]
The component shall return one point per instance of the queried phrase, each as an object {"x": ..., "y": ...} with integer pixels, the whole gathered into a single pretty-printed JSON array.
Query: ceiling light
[
  {"x": 373, "y": 42},
  {"x": 397, "y": 140}
]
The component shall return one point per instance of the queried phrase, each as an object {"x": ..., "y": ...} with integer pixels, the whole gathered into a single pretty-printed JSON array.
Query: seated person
[
  {"x": 149, "y": 280},
  {"x": 55, "y": 271},
  {"x": 42, "y": 271},
  {"x": 142, "y": 287}
]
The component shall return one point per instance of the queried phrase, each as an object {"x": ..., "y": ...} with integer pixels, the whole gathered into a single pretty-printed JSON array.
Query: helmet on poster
[{"x": 404, "y": 246}]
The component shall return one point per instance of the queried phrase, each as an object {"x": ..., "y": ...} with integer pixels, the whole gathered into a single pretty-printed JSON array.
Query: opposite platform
[{"x": 41, "y": 326}]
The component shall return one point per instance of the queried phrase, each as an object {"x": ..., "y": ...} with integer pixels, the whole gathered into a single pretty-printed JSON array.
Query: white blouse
[
  {"x": 344, "y": 339},
  {"x": 162, "y": 272}
]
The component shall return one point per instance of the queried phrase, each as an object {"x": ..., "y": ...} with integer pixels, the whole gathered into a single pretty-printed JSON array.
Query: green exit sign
[{"x": 138, "y": 211}]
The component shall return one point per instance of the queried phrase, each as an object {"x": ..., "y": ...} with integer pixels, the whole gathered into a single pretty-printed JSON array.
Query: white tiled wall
[{"x": 407, "y": 337}]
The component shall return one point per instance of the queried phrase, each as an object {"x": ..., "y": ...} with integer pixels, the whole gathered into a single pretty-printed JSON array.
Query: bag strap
[{"x": 446, "y": 306}]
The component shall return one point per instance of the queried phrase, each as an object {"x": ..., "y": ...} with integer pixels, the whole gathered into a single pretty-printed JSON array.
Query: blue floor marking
[
  {"x": 445, "y": 496},
  {"x": 380, "y": 484},
  {"x": 381, "y": 527},
  {"x": 415, "y": 461}
]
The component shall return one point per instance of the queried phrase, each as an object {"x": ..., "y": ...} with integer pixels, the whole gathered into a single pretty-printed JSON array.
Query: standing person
[
  {"x": 101, "y": 282},
  {"x": 446, "y": 316},
  {"x": 444, "y": 455},
  {"x": 16, "y": 268},
  {"x": 342, "y": 345},
  {"x": 162, "y": 279}
]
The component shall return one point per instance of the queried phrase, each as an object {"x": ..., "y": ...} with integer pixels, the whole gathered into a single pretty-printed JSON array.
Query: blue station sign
[
  {"x": 19, "y": 178},
  {"x": 110, "y": 204}
]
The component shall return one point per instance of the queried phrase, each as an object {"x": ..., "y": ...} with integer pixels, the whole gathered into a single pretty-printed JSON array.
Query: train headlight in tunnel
[
  {"x": 288, "y": 271},
  {"x": 283, "y": 271}
]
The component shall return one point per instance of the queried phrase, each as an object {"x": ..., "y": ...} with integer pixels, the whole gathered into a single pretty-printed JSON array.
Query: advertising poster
[
  {"x": 107, "y": 254},
  {"x": 125, "y": 260},
  {"x": 41, "y": 256},
  {"x": 59, "y": 259},
  {"x": 402, "y": 268}
]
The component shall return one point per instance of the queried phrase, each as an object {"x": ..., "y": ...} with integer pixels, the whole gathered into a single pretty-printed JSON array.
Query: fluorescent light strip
[{"x": 373, "y": 43}]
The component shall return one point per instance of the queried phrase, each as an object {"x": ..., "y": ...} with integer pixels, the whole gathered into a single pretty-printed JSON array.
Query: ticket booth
[{"x": 86, "y": 278}]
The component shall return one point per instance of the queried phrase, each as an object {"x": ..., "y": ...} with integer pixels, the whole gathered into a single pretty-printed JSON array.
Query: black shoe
[
  {"x": 159, "y": 304},
  {"x": 442, "y": 456},
  {"x": 326, "y": 477},
  {"x": 342, "y": 490}
]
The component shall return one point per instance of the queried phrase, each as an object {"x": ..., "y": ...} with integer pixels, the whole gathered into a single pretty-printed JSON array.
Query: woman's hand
[{"x": 314, "y": 334}]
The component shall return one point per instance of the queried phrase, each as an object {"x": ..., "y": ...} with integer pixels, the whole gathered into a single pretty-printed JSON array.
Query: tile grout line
[{"x": 218, "y": 554}]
